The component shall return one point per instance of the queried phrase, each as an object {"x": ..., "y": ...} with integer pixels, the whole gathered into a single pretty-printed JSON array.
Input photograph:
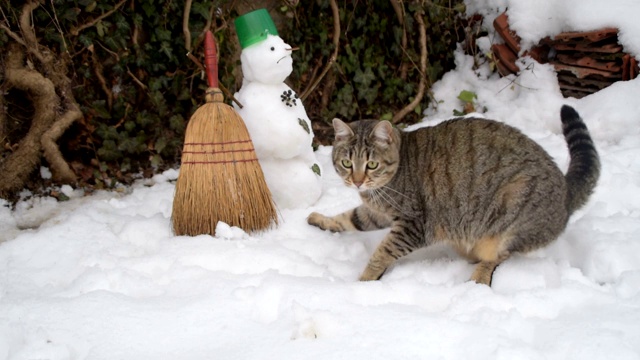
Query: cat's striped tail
[{"x": 584, "y": 166}]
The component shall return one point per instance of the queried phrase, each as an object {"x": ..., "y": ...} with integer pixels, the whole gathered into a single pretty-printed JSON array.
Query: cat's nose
[{"x": 357, "y": 184}]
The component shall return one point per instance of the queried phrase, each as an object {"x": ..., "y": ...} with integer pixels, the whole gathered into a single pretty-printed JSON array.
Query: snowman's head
[{"x": 267, "y": 62}]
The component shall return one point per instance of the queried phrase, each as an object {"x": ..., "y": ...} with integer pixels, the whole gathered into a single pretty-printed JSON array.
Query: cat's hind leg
[
  {"x": 490, "y": 251},
  {"x": 361, "y": 218}
]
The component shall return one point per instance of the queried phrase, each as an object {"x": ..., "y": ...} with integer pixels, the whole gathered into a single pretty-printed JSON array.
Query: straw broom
[{"x": 220, "y": 177}]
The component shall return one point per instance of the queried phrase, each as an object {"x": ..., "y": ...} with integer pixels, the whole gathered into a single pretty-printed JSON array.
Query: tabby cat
[{"x": 477, "y": 184}]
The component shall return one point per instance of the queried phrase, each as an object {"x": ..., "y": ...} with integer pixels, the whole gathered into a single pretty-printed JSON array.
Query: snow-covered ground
[{"x": 102, "y": 277}]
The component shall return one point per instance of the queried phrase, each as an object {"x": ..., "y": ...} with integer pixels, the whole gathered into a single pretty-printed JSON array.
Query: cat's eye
[
  {"x": 272, "y": 48},
  {"x": 347, "y": 163},
  {"x": 372, "y": 165}
]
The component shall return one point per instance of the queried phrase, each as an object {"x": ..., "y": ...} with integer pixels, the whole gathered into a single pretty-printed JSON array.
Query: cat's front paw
[
  {"x": 325, "y": 222},
  {"x": 339, "y": 223},
  {"x": 317, "y": 219}
]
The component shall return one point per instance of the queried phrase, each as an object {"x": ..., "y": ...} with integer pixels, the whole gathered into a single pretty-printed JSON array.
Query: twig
[
  {"x": 314, "y": 72},
  {"x": 399, "y": 9},
  {"x": 187, "y": 36},
  {"x": 4, "y": 16},
  {"x": 513, "y": 81},
  {"x": 76, "y": 30},
  {"x": 115, "y": 54},
  {"x": 334, "y": 56},
  {"x": 13, "y": 35},
  {"x": 185, "y": 25},
  {"x": 423, "y": 70},
  {"x": 136, "y": 80},
  {"x": 222, "y": 87},
  {"x": 208, "y": 26},
  {"x": 97, "y": 70},
  {"x": 136, "y": 28},
  {"x": 59, "y": 28}
]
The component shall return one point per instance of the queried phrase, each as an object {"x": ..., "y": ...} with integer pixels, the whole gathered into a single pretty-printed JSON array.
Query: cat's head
[{"x": 365, "y": 153}]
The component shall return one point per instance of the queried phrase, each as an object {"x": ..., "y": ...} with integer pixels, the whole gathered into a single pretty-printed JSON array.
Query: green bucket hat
[{"x": 254, "y": 27}]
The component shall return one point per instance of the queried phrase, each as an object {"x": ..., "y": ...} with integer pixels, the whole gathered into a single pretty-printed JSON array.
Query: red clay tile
[
  {"x": 592, "y": 36},
  {"x": 629, "y": 67},
  {"x": 501, "y": 24},
  {"x": 582, "y": 72},
  {"x": 505, "y": 59},
  {"x": 538, "y": 53},
  {"x": 587, "y": 47},
  {"x": 587, "y": 61}
]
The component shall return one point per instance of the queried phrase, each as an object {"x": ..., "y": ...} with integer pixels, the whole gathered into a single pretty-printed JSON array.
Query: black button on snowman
[
  {"x": 275, "y": 117},
  {"x": 289, "y": 98}
]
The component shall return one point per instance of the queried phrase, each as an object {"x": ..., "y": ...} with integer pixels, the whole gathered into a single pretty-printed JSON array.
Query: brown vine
[
  {"x": 332, "y": 59},
  {"x": 423, "y": 70}
]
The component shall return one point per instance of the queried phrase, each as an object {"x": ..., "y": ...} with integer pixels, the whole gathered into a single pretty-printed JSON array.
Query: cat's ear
[
  {"x": 383, "y": 132},
  {"x": 342, "y": 130}
]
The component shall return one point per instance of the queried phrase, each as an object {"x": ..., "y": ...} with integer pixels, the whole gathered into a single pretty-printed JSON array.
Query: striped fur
[
  {"x": 584, "y": 167},
  {"x": 479, "y": 185}
]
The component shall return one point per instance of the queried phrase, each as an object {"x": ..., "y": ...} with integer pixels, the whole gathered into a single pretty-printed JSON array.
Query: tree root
[
  {"x": 18, "y": 166},
  {"x": 61, "y": 171},
  {"x": 53, "y": 113}
]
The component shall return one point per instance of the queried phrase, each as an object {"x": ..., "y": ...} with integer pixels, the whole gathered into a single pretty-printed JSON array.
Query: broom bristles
[{"x": 220, "y": 177}]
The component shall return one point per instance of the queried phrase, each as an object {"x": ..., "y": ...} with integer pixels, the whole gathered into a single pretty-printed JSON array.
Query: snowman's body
[{"x": 278, "y": 124}]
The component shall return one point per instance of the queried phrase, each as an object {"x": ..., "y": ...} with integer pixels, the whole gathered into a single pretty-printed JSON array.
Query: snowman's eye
[{"x": 272, "y": 48}]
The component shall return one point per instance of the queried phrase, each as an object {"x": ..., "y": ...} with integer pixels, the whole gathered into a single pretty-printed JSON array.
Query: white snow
[
  {"x": 534, "y": 20},
  {"x": 102, "y": 276}
]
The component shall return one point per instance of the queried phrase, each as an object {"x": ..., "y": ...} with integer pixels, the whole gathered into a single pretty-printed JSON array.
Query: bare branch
[
  {"x": 334, "y": 56},
  {"x": 185, "y": 25},
  {"x": 312, "y": 77},
  {"x": 13, "y": 35},
  {"x": 59, "y": 28},
  {"x": 97, "y": 70},
  {"x": 423, "y": 70},
  {"x": 136, "y": 80},
  {"x": 400, "y": 14},
  {"x": 76, "y": 30},
  {"x": 222, "y": 87}
]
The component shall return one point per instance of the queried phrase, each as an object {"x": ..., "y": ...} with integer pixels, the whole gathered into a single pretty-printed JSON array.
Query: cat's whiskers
[
  {"x": 380, "y": 195},
  {"x": 396, "y": 192},
  {"x": 374, "y": 198}
]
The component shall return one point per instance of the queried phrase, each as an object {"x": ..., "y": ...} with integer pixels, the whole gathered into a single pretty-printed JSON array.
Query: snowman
[{"x": 275, "y": 117}]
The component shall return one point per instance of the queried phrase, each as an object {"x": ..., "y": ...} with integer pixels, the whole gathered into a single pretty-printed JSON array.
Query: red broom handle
[{"x": 211, "y": 59}]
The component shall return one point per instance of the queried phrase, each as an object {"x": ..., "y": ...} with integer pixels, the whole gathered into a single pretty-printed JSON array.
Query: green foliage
[
  {"x": 367, "y": 78},
  {"x": 316, "y": 169},
  {"x": 468, "y": 99},
  {"x": 304, "y": 125},
  {"x": 467, "y": 96},
  {"x": 136, "y": 116},
  {"x": 137, "y": 88}
]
